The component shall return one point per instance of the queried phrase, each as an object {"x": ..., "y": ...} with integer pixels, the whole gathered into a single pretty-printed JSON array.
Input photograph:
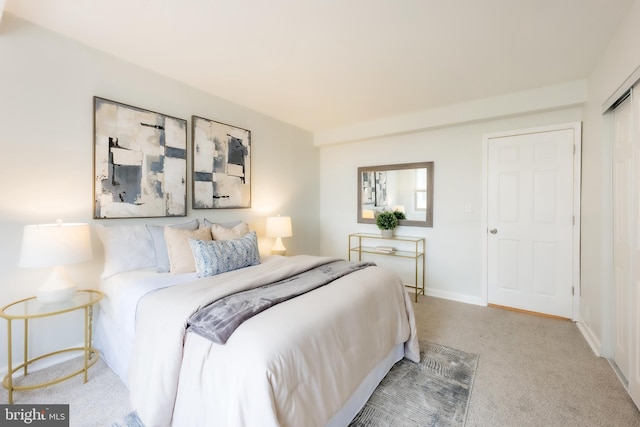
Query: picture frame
[
  {"x": 140, "y": 162},
  {"x": 221, "y": 165}
]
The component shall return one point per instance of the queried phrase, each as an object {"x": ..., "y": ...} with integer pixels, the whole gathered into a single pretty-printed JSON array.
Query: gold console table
[
  {"x": 31, "y": 308},
  {"x": 363, "y": 243}
]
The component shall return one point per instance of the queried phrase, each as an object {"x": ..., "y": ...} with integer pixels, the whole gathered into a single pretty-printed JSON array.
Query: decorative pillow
[
  {"x": 180, "y": 254},
  {"x": 229, "y": 224},
  {"x": 219, "y": 256},
  {"x": 126, "y": 248},
  {"x": 160, "y": 244},
  {"x": 218, "y": 232}
]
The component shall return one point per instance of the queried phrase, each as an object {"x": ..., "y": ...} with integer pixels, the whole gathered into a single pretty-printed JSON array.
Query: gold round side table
[{"x": 31, "y": 308}]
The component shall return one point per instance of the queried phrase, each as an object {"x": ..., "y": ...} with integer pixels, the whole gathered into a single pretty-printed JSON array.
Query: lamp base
[
  {"x": 278, "y": 248},
  {"x": 55, "y": 295},
  {"x": 57, "y": 288}
]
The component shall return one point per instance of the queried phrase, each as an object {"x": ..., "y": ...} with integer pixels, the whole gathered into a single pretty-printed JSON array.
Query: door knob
[{"x": 493, "y": 231}]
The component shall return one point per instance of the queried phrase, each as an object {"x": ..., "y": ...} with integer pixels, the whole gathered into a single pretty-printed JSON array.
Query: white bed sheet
[
  {"x": 115, "y": 332},
  {"x": 116, "y": 317},
  {"x": 123, "y": 291}
]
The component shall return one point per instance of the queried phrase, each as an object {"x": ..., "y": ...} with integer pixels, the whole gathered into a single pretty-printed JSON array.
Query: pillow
[
  {"x": 219, "y": 256},
  {"x": 160, "y": 244},
  {"x": 219, "y": 232},
  {"x": 178, "y": 249},
  {"x": 229, "y": 224},
  {"x": 126, "y": 248}
]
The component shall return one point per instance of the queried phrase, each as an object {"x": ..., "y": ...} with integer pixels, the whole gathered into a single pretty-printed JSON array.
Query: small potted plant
[
  {"x": 386, "y": 222},
  {"x": 399, "y": 215}
]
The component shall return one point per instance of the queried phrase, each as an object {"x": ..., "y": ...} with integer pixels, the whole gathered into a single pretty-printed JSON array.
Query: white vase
[{"x": 386, "y": 233}]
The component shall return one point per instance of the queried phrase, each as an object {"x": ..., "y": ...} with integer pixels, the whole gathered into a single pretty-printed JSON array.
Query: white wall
[
  {"x": 454, "y": 243},
  {"x": 453, "y": 248},
  {"x": 47, "y": 84}
]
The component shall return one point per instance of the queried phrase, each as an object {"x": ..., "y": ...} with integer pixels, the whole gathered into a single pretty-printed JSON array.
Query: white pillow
[
  {"x": 160, "y": 244},
  {"x": 126, "y": 248},
  {"x": 180, "y": 255},
  {"x": 218, "y": 232},
  {"x": 229, "y": 224}
]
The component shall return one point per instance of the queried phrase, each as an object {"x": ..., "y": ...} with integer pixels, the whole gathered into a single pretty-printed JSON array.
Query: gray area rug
[
  {"x": 434, "y": 392},
  {"x": 131, "y": 420}
]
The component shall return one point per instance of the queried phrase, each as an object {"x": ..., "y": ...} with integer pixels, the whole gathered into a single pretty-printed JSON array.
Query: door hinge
[
  {"x": 573, "y": 291},
  {"x": 574, "y": 220}
]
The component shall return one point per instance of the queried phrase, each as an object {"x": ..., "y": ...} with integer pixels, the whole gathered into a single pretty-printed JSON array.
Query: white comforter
[{"x": 295, "y": 364}]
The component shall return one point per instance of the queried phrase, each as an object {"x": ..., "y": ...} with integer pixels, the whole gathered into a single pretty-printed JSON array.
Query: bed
[{"x": 312, "y": 360}]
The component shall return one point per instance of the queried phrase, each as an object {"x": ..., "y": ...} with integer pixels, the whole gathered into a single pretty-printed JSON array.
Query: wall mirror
[{"x": 407, "y": 187}]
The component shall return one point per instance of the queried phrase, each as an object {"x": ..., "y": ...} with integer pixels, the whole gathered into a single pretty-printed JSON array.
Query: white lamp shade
[
  {"x": 55, "y": 245},
  {"x": 47, "y": 245},
  {"x": 279, "y": 226}
]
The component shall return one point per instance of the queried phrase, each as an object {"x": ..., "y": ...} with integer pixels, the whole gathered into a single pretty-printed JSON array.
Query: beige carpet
[
  {"x": 99, "y": 402},
  {"x": 532, "y": 371}
]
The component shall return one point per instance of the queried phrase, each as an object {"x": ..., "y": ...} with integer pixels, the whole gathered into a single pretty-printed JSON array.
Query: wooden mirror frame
[{"x": 428, "y": 221}]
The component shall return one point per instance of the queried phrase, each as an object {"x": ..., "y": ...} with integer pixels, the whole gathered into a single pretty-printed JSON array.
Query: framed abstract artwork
[
  {"x": 221, "y": 165},
  {"x": 140, "y": 162}
]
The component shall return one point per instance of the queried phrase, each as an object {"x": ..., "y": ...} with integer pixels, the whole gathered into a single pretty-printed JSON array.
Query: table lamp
[
  {"x": 55, "y": 245},
  {"x": 279, "y": 227}
]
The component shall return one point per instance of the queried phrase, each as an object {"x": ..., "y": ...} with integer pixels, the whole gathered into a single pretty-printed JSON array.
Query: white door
[
  {"x": 622, "y": 211},
  {"x": 530, "y": 219},
  {"x": 634, "y": 365}
]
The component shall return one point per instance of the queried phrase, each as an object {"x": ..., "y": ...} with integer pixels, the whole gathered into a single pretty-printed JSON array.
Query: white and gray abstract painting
[
  {"x": 140, "y": 162},
  {"x": 221, "y": 165}
]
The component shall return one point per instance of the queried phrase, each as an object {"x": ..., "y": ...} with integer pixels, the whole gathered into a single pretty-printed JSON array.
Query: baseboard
[
  {"x": 468, "y": 299},
  {"x": 532, "y": 313},
  {"x": 618, "y": 372},
  {"x": 43, "y": 363},
  {"x": 591, "y": 339}
]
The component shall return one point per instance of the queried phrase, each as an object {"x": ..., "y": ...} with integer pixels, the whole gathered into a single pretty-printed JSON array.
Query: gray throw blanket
[{"x": 218, "y": 320}]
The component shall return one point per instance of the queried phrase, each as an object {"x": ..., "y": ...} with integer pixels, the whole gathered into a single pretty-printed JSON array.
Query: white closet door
[
  {"x": 626, "y": 241},
  {"x": 622, "y": 237},
  {"x": 634, "y": 333}
]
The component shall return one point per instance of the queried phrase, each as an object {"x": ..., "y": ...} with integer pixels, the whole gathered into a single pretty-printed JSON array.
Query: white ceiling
[{"x": 322, "y": 64}]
